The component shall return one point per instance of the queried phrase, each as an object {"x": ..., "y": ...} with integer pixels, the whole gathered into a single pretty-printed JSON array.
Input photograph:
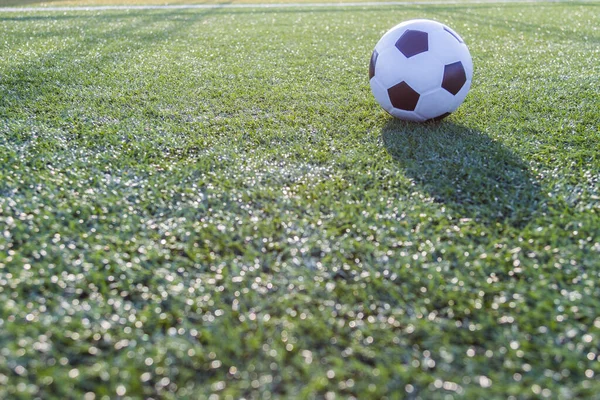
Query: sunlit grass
[
  {"x": 84, "y": 3},
  {"x": 211, "y": 201}
]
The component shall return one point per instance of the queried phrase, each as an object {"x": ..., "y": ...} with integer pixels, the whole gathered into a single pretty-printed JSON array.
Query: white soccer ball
[{"x": 420, "y": 70}]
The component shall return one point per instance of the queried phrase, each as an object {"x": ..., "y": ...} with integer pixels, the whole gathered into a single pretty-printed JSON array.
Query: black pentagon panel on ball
[
  {"x": 413, "y": 42},
  {"x": 372, "y": 63},
  {"x": 454, "y": 77},
  {"x": 403, "y": 97}
]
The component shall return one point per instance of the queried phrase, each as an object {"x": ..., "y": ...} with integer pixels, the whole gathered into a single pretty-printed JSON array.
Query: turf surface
[
  {"x": 198, "y": 203},
  {"x": 178, "y": 3}
]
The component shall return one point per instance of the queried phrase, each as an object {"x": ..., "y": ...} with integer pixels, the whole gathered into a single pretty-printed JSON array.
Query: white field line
[{"x": 275, "y": 5}]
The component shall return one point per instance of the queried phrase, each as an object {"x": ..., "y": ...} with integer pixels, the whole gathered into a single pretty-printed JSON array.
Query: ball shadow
[{"x": 473, "y": 175}]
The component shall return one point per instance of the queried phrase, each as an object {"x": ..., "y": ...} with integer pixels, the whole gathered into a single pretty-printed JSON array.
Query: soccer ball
[{"x": 420, "y": 70}]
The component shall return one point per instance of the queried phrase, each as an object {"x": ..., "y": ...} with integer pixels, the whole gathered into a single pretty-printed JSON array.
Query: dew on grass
[{"x": 313, "y": 240}]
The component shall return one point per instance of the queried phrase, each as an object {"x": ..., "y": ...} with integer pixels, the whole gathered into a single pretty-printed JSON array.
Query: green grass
[
  {"x": 211, "y": 202},
  {"x": 82, "y": 3}
]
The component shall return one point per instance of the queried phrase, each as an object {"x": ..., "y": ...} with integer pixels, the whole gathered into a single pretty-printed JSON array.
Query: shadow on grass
[
  {"x": 63, "y": 85},
  {"x": 466, "y": 170}
]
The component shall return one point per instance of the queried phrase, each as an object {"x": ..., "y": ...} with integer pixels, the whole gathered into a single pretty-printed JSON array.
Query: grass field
[
  {"x": 199, "y": 203},
  {"x": 137, "y": 3},
  {"x": 185, "y": 3}
]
